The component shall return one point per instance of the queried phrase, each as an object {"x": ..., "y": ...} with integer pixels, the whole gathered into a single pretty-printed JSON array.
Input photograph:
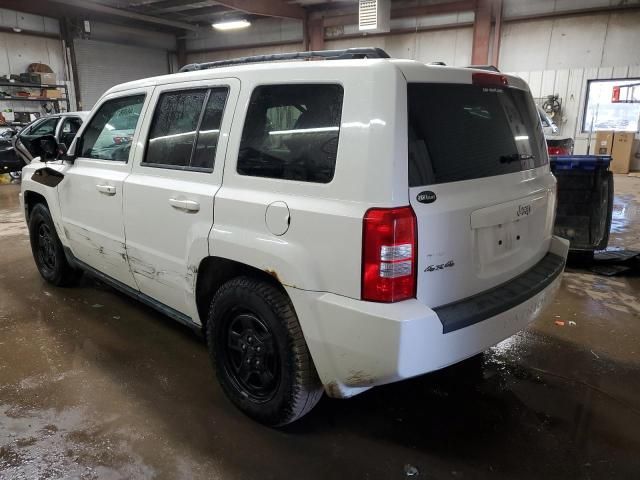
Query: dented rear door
[{"x": 169, "y": 196}]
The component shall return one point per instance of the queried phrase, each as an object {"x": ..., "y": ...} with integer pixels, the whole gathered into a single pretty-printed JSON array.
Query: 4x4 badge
[{"x": 426, "y": 197}]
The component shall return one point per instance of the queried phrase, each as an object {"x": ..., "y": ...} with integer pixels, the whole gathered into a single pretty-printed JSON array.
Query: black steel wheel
[
  {"x": 259, "y": 353},
  {"x": 46, "y": 247},
  {"x": 47, "y": 250},
  {"x": 250, "y": 355}
]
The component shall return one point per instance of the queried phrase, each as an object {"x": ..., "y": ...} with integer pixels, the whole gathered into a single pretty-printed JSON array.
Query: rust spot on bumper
[
  {"x": 358, "y": 378},
  {"x": 333, "y": 390}
]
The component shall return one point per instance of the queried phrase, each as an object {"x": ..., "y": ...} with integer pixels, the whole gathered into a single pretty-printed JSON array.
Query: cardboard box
[
  {"x": 621, "y": 151},
  {"x": 604, "y": 142},
  {"x": 51, "y": 93},
  {"x": 46, "y": 78}
]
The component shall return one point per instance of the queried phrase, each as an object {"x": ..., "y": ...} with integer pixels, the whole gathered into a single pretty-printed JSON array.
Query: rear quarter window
[{"x": 291, "y": 132}]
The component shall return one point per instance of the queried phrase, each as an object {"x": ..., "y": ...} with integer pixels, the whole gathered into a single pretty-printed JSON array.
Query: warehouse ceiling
[
  {"x": 203, "y": 12},
  {"x": 181, "y": 15}
]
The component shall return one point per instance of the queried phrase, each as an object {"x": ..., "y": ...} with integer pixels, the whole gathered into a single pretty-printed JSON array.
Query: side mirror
[{"x": 45, "y": 147}]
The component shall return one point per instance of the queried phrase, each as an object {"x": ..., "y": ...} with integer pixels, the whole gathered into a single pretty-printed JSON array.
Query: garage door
[{"x": 101, "y": 65}]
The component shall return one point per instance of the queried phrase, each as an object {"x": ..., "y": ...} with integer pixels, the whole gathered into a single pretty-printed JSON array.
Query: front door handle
[
  {"x": 185, "y": 205},
  {"x": 106, "y": 189}
]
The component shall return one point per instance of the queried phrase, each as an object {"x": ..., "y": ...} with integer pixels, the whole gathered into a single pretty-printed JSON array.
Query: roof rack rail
[{"x": 346, "y": 54}]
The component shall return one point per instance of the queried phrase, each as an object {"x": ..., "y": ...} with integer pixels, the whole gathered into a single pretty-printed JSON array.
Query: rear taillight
[
  {"x": 558, "y": 151},
  {"x": 389, "y": 253},
  {"x": 487, "y": 79}
]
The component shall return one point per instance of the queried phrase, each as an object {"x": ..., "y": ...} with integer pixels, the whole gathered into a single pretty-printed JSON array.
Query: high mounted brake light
[
  {"x": 389, "y": 254},
  {"x": 487, "y": 79}
]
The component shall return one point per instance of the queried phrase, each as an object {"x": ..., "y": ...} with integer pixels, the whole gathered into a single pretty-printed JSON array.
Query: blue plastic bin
[{"x": 585, "y": 200}]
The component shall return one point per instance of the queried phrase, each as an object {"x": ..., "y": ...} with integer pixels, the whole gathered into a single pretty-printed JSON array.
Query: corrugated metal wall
[
  {"x": 242, "y": 52},
  {"x": 571, "y": 86},
  {"x": 600, "y": 40},
  {"x": 101, "y": 65},
  {"x": 452, "y": 46},
  {"x": 559, "y": 55}
]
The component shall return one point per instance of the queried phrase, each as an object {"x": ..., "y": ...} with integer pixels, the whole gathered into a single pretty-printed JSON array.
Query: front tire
[
  {"x": 259, "y": 353},
  {"x": 47, "y": 249}
]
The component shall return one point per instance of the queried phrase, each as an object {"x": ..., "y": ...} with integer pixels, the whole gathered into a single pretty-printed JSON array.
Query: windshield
[{"x": 462, "y": 132}]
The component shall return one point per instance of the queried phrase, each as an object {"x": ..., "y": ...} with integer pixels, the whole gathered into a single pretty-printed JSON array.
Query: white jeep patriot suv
[{"x": 329, "y": 225}]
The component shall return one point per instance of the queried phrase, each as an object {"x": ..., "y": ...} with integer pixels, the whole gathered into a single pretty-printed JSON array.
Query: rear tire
[
  {"x": 259, "y": 353},
  {"x": 47, "y": 249}
]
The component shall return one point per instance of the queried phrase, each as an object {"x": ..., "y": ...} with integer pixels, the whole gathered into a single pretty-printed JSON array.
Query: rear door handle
[
  {"x": 185, "y": 205},
  {"x": 106, "y": 189}
]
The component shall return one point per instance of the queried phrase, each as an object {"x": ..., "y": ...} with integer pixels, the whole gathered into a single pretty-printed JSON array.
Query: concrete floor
[{"x": 94, "y": 385}]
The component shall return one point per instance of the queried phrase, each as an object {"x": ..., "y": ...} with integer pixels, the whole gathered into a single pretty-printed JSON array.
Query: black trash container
[{"x": 585, "y": 200}]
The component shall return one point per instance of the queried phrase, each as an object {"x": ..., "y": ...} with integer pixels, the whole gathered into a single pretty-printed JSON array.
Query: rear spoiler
[{"x": 491, "y": 68}]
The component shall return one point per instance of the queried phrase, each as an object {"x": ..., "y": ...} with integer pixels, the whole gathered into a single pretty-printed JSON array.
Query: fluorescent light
[
  {"x": 231, "y": 25},
  {"x": 521, "y": 137}
]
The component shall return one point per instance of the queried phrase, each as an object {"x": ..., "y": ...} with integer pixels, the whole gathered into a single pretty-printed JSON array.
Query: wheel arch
[
  {"x": 31, "y": 199},
  {"x": 213, "y": 272}
]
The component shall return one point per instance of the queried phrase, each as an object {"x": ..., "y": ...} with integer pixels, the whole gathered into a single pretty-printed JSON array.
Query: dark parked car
[
  {"x": 9, "y": 161},
  {"x": 63, "y": 126}
]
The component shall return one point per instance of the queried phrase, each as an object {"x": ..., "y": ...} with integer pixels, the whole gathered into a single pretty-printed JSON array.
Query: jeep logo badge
[
  {"x": 523, "y": 210},
  {"x": 426, "y": 197}
]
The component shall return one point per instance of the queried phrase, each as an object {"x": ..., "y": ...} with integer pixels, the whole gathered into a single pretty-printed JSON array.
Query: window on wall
[{"x": 606, "y": 111}]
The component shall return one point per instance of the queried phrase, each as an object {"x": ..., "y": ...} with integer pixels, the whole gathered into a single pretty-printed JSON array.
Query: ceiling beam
[
  {"x": 96, "y": 7},
  {"x": 481, "y": 33},
  {"x": 160, "y": 4},
  {"x": 144, "y": 3},
  {"x": 267, "y": 8},
  {"x": 178, "y": 6},
  {"x": 200, "y": 12}
]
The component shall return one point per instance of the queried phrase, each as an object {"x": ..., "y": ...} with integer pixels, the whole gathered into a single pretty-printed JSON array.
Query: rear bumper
[{"x": 356, "y": 345}]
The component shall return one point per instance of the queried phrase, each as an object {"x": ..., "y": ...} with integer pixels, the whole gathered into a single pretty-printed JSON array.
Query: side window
[
  {"x": 209, "y": 131},
  {"x": 69, "y": 129},
  {"x": 173, "y": 128},
  {"x": 71, "y": 125},
  {"x": 109, "y": 133},
  {"x": 184, "y": 129},
  {"x": 46, "y": 127},
  {"x": 27, "y": 130},
  {"x": 291, "y": 132}
]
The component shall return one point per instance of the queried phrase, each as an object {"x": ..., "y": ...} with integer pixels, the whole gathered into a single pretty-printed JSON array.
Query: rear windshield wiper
[{"x": 514, "y": 157}]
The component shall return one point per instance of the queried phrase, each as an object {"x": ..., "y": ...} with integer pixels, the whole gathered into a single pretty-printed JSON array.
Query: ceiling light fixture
[{"x": 231, "y": 25}]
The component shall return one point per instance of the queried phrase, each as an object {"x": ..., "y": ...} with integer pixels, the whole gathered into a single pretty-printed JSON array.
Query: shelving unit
[{"x": 55, "y": 101}]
